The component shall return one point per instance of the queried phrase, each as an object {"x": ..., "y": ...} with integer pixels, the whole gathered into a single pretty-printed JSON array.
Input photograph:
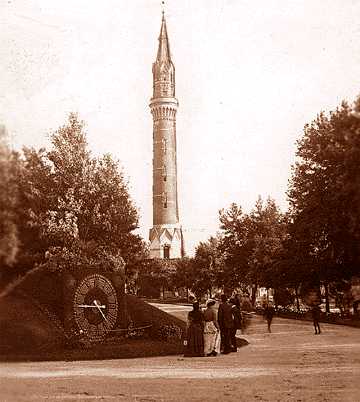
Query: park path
[{"x": 290, "y": 364}]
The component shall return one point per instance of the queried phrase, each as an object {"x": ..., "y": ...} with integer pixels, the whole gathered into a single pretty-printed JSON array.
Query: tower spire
[
  {"x": 163, "y": 68},
  {"x": 163, "y": 54}
]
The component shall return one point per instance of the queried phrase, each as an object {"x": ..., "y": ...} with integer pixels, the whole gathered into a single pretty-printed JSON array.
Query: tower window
[
  {"x": 164, "y": 172},
  {"x": 165, "y": 200},
  {"x": 167, "y": 252},
  {"x": 164, "y": 143}
]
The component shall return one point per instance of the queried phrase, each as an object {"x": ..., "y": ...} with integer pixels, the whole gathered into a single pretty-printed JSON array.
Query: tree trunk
[
  {"x": 253, "y": 294},
  {"x": 275, "y": 299},
  {"x": 327, "y": 303},
  {"x": 297, "y": 299}
]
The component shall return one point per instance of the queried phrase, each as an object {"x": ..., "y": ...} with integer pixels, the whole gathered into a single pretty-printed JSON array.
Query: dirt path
[{"x": 290, "y": 364}]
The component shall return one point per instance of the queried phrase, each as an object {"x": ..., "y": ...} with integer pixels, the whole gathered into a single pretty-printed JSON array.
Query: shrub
[{"x": 169, "y": 333}]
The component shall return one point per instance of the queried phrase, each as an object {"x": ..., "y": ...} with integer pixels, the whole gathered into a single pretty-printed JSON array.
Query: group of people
[{"x": 211, "y": 332}]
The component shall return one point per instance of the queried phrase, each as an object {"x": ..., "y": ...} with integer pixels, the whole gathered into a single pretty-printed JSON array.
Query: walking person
[
  {"x": 195, "y": 332},
  {"x": 226, "y": 323},
  {"x": 211, "y": 330},
  {"x": 269, "y": 314},
  {"x": 316, "y": 318},
  {"x": 237, "y": 317}
]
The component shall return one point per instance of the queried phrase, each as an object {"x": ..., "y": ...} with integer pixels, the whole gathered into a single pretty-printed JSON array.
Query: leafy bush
[{"x": 169, "y": 333}]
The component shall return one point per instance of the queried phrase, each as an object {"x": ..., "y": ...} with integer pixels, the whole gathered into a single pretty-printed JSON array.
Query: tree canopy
[
  {"x": 324, "y": 194},
  {"x": 251, "y": 242},
  {"x": 71, "y": 203},
  {"x": 9, "y": 240}
]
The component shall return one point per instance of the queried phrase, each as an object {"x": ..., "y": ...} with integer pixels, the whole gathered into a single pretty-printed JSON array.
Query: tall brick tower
[{"x": 166, "y": 240}]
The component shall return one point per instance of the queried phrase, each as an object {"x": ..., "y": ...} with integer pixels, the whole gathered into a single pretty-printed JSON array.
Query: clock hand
[
  {"x": 91, "y": 306},
  {"x": 98, "y": 306}
]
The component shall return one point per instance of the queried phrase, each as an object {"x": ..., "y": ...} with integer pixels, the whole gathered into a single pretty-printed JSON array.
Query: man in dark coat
[
  {"x": 237, "y": 317},
  {"x": 269, "y": 314},
  {"x": 316, "y": 318},
  {"x": 226, "y": 323}
]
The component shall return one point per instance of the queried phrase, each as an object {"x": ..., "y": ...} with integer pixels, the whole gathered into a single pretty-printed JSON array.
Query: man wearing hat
[{"x": 226, "y": 324}]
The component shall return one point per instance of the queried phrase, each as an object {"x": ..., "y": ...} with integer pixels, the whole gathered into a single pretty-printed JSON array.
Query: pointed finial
[
  {"x": 163, "y": 50},
  {"x": 163, "y": 8}
]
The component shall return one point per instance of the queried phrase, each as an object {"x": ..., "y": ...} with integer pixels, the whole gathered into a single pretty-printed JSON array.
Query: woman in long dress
[
  {"x": 236, "y": 312},
  {"x": 195, "y": 332},
  {"x": 211, "y": 330}
]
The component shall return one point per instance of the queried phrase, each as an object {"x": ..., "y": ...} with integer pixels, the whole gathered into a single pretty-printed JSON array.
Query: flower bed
[{"x": 331, "y": 318}]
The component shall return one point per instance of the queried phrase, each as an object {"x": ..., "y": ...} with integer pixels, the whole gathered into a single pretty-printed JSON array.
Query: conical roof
[{"x": 163, "y": 53}]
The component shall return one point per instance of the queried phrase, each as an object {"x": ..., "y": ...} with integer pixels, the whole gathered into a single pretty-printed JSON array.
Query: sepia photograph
[{"x": 179, "y": 200}]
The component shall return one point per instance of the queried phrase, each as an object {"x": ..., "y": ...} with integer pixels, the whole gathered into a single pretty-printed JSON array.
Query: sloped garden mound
[{"x": 30, "y": 331}]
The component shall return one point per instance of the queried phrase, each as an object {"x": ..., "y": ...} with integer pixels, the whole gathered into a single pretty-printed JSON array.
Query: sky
[{"x": 249, "y": 76}]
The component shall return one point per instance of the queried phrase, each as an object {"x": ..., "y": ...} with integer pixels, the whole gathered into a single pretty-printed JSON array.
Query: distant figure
[
  {"x": 195, "y": 332},
  {"x": 356, "y": 307},
  {"x": 269, "y": 314},
  {"x": 316, "y": 318},
  {"x": 226, "y": 323},
  {"x": 211, "y": 330},
  {"x": 237, "y": 317}
]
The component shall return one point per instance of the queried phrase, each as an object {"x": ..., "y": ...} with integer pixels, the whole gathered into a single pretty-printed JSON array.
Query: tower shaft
[{"x": 166, "y": 235}]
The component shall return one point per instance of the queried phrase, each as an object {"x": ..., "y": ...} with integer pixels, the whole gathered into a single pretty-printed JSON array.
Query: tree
[
  {"x": 234, "y": 246},
  {"x": 207, "y": 264},
  {"x": 251, "y": 243},
  {"x": 155, "y": 276},
  {"x": 324, "y": 195},
  {"x": 73, "y": 203},
  {"x": 269, "y": 230},
  {"x": 183, "y": 276},
  {"x": 295, "y": 268},
  {"x": 36, "y": 197},
  {"x": 9, "y": 241}
]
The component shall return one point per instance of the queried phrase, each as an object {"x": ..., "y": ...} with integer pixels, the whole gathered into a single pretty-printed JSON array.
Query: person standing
[
  {"x": 237, "y": 317},
  {"x": 316, "y": 318},
  {"x": 211, "y": 330},
  {"x": 226, "y": 323},
  {"x": 269, "y": 314},
  {"x": 195, "y": 332}
]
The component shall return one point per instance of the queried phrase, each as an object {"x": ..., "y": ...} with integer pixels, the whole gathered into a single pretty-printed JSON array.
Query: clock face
[{"x": 95, "y": 306}]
